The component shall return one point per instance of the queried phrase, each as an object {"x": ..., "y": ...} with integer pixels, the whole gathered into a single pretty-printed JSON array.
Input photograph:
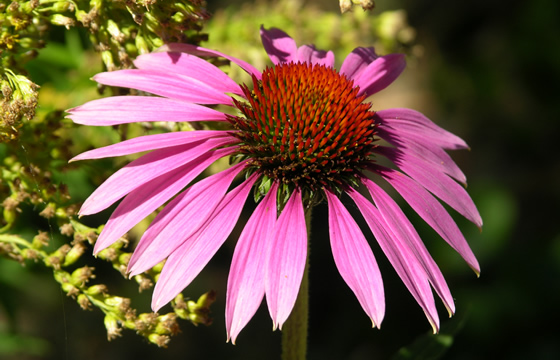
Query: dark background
[{"x": 492, "y": 69}]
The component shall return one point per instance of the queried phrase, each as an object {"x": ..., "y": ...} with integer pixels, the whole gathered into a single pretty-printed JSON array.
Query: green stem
[{"x": 294, "y": 331}]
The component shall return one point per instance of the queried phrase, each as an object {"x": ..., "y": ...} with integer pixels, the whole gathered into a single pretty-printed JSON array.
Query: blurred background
[{"x": 486, "y": 70}]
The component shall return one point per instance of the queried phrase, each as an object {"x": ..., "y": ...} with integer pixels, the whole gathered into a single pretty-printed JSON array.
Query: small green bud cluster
[
  {"x": 22, "y": 30},
  {"x": 30, "y": 184},
  {"x": 21, "y": 34},
  {"x": 198, "y": 312},
  {"x": 119, "y": 30},
  {"x": 18, "y": 100},
  {"x": 123, "y": 30},
  {"x": 346, "y": 5},
  {"x": 119, "y": 314},
  {"x": 65, "y": 248}
]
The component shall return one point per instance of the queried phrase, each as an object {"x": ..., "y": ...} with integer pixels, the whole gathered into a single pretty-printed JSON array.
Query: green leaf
[{"x": 430, "y": 346}]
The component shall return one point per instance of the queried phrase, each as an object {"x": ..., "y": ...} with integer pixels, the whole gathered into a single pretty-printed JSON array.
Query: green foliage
[
  {"x": 119, "y": 30},
  {"x": 39, "y": 190},
  {"x": 430, "y": 346}
]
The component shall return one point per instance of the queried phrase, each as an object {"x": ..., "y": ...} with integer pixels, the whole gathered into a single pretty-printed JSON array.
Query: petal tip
[
  {"x": 156, "y": 304},
  {"x": 231, "y": 339},
  {"x": 433, "y": 323}
]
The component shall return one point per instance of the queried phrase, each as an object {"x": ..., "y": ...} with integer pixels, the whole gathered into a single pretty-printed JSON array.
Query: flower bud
[
  {"x": 40, "y": 240},
  {"x": 141, "y": 44},
  {"x": 112, "y": 326},
  {"x": 61, "y": 20},
  {"x": 56, "y": 259},
  {"x": 345, "y": 5},
  {"x": 143, "y": 282},
  {"x": 98, "y": 289},
  {"x": 28, "y": 6},
  {"x": 115, "y": 32},
  {"x": 49, "y": 211},
  {"x": 30, "y": 254},
  {"x": 62, "y": 6},
  {"x": 74, "y": 254},
  {"x": 82, "y": 275},
  {"x": 10, "y": 215},
  {"x": 84, "y": 302},
  {"x": 66, "y": 229},
  {"x": 107, "y": 58},
  {"x": 70, "y": 289},
  {"x": 159, "y": 340},
  {"x": 167, "y": 325}
]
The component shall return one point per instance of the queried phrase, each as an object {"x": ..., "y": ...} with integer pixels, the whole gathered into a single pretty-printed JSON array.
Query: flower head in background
[{"x": 302, "y": 134}]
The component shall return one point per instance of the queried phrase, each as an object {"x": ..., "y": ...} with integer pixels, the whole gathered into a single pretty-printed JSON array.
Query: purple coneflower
[{"x": 303, "y": 134}]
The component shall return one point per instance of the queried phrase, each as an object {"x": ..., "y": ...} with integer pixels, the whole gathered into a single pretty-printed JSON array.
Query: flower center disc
[{"x": 306, "y": 125}]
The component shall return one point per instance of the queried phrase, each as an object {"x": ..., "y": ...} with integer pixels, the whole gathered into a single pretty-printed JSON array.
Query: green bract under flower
[{"x": 305, "y": 125}]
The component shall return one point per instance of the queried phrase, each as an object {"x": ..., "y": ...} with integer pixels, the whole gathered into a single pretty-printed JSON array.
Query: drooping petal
[
  {"x": 355, "y": 261},
  {"x": 357, "y": 61},
  {"x": 153, "y": 142},
  {"x": 400, "y": 227},
  {"x": 117, "y": 110},
  {"x": 415, "y": 126},
  {"x": 142, "y": 170},
  {"x": 181, "y": 218},
  {"x": 379, "y": 74},
  {"x": 200, "y": 51},
  {"x": 148, "y": 197},
  {"x": 176, "y": 87},
  {"x": 186, "y": 262},
  {"x": 308, "y": 53},
  {"x": 419, "y": 156},
  {"x": 432, "y": 212},
  {"x": 425, "y": 151},
  {"x": 245, "y": 289},
  {"x": 280, "y": 47},
  {"x": 190, "y": 66},
  {"x": 287, "y": 255},
  {"x": 401, "y": 257},
  {"x": 439, "y": 184}
]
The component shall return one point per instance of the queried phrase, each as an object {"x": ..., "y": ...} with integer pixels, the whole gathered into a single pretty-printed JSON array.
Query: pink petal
[
  {"x": 191, "y": 66},
  {"x": 152, "y": 142},
  {"x": 186, "y": 262},
  {"x": 414, "y": 126},
  {"x": 401, "y": 257},
  {"x": 438, "y": 184},
  {"x": 308, "y": 53},
  {"x": 357, "y": 61},
  {"x": 432, "y": 212},
  {"x": 433, "y": 154},
  {"x": 128, "y": 109},
  {"x": 281, "y": 48},
  {"x": 147, "y": 198},
  {"x": 142, "y": 170},
  {"x": 176, "y": 87},
  {"x": 398, "y": 224},
  {"x": 200, "y": 51},
  {"x": 245, "y": 289},
  {"x": 355, "y": 261},
  {"x": 379, "y": 74},
  {"x": 287, "y": 254},
  {"x": 180, "y": 219},
  {"x": 421, "y": 157}
]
